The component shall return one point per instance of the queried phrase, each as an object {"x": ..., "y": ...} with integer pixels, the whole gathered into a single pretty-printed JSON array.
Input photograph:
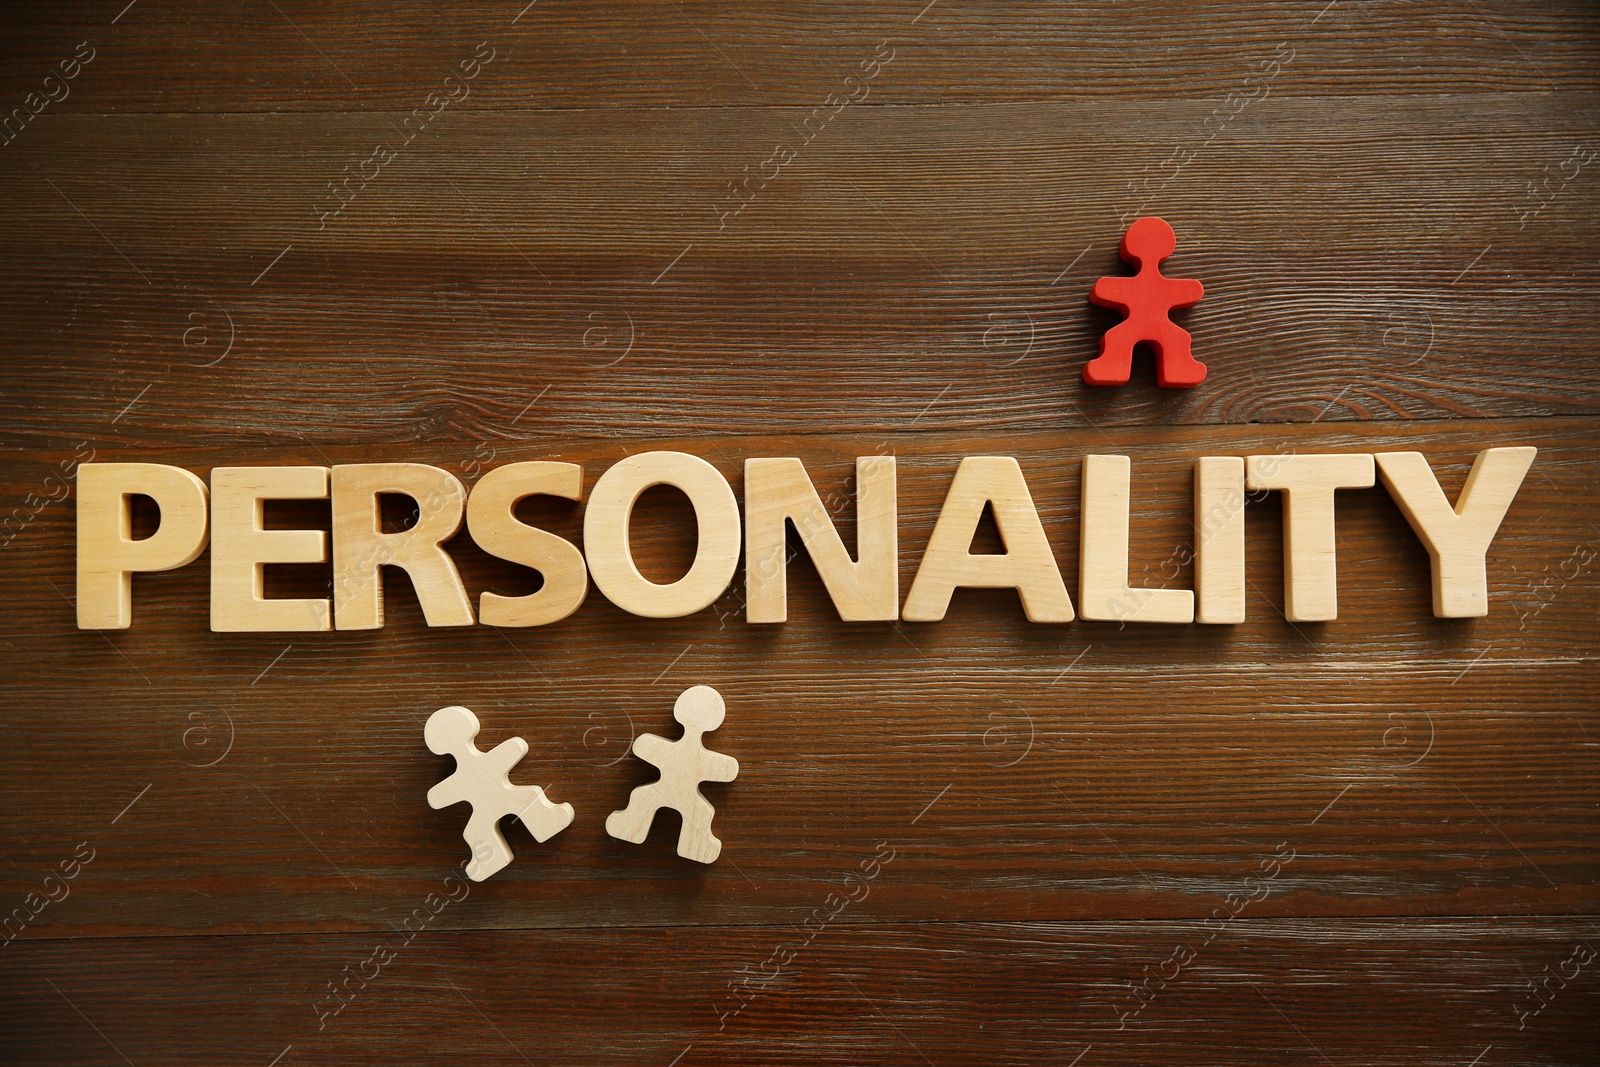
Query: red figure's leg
[
  {"x": 1176, "y": 368},
  {"x": 1115, "y": 363}
]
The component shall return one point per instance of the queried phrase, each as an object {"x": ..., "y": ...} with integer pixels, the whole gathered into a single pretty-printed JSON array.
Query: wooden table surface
[{"x": 274, "y": 232}]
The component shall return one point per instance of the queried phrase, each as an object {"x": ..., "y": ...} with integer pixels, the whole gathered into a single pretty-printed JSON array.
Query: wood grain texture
[
  {"x": 257, "y": 234},
  {"x": 920, "y": 268},
  {"x": 302, "y": 56},
  {"x": 1373, "y": 993}
]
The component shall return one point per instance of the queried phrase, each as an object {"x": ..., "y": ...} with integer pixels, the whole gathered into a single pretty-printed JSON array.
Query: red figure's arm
[
  {"x": 1181, "y": 292},
  {"x": 1112, "y": 293}
]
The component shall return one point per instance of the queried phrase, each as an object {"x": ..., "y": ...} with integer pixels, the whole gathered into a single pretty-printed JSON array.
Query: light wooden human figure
[
  {"x": 684, "y": 764},
  {"x": 480, "y": 780}
]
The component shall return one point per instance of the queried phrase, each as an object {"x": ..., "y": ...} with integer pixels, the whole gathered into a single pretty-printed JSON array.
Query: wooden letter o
[{"x": 605, "y": 534}]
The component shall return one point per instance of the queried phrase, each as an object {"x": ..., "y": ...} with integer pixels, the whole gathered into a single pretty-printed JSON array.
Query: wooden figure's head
[{"x": 700, "y": 708}]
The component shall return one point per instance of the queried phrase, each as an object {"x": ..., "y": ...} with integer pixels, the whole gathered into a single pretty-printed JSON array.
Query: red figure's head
[{"x": 1148, "y": 241}]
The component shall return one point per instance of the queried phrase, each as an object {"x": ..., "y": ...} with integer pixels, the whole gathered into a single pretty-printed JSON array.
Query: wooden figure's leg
[
  {"x": 632, "y": 823},
  {"x": 695, "y": 840},
  {"x": 542, "y": 818},
  {"x": 490, "y": 853}
]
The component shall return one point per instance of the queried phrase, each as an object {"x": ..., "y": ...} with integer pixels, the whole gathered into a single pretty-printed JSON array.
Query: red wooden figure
[{"x": 1146, "y": 298}]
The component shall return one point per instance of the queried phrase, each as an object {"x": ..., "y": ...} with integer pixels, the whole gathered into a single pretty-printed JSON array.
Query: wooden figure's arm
[
  {"x": 719, "y": 767},
  {"x": 505, "y": 755},
  {"x": 446, "y": 793},
  {"x": 652, "y": 749}
]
